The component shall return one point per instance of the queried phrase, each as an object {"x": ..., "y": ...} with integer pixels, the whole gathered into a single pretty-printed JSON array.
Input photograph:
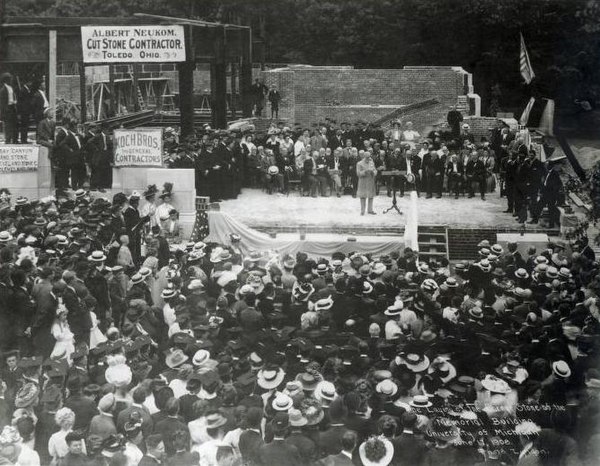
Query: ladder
[{"x": 140, "y": 98}]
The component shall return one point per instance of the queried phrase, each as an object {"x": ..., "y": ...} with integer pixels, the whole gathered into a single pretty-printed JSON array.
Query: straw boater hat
[
  {"x": 415, "y": 362},
  {"x": 495, "y": 385},
  {"x": 561, "y": 369},
  {"x": 386, "y": 387},
  {"x": 420, "y": 401},
  {"x": 395, "y": 309},
  {"x": 270, "y": 378},
  {"x": 282, "y": 402},
  {"x": 325, "y": 392},
  {"x": 175, "y": 358},
  {"x": 445, "y": 371},
  {"x": 376, "y": 451}
]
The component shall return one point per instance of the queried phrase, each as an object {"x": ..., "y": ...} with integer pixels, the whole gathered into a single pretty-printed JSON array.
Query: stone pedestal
[{"x": 33, "y": 184}]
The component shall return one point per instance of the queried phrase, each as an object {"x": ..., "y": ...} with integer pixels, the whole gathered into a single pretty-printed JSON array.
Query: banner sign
[
  {"x": 18, "y": 158},
  {"x": 138, "y": 147},
  {"x": 132, "y": 44}
]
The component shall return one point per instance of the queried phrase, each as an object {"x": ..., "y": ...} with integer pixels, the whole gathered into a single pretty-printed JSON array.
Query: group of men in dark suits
[
  {"x": 20, "y": 104},
  {"x": 79, "y": 156}
]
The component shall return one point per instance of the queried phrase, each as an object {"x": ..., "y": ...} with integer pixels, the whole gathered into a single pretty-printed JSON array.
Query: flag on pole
[
  {"x": 525, "y": 64},
  {"x": 546, "y": 124},
  {"x": 525, "y": 116}
]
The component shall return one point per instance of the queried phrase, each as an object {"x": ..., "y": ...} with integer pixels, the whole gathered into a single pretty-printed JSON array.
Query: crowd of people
[{"x": 122, "y": 348}]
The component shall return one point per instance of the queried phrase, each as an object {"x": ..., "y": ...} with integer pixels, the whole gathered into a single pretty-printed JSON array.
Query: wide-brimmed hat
[
  {"x": 97, "y": 256},
  {"x": 427, "y": 336},
  {"x": 444, "y": 369},
  {"x": 414, "y": 361},
  {"x": 387, "y": 387},
  {"x": 223, "y": 256},
  {"x": 476, "y": 312},
  {"x": 309, "y": 382},
  {"x": 254, "y": 256},
  {"x": 395, "y": 309},
  {"x": 215, "y": 420},
  {"x": 561, "y": 369},
  {"x": 521, "y": 273},
  {"x": 195, "y": 284},
  {"x": 376, "y": 451},
  {"x": 136, "y": 278},
  {"x": 303, "y": 292},
  {"x": 5, "y": 236},
  {"x": 296, "y": 418},
  {"x": 175, "y": 358},
  {"x": 420, "y": 401},
  {"x": 497, "y": 249},
  {"x": 256, "y": 282},
  {"x": 379, "y": 268},
  {"x": 495, "y": 385},
  {"x": 324, "y": 304},
  {"x": 325, "y": 391},
  {"x": 168, "y": 293},
  {"x": 27, "y": 395},
  {"x": 270, "y": 378},
  {"x": 282, "y": 402},
  {"x": 200, "y": 357}
]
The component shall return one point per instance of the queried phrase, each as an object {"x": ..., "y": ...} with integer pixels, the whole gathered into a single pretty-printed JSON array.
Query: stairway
[{"x": 433, "y": 242}]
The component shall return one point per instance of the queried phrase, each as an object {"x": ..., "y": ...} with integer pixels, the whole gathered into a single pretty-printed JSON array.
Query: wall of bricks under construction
[
  {"x": 462, "y": 242},
  {"x": 307, "y": 92}
]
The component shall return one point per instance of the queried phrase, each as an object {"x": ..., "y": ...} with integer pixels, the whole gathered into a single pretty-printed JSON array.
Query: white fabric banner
[{"x": 221, "y": 225}]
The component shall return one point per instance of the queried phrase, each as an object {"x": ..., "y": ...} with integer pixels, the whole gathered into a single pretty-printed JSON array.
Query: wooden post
[
  {"x": 186, "y": 97},
  {"x": 136, "y": 103},
  {"x": 52, "y": 65},
  {"x": 233, "y": 86},
  {"x": 112, "y": 109},
  {"x": 82, "y": 93},
  {"x": 218, "y": 82},
  {"x": 186, "y": 86},
  {"x": 246, "y": 77}
]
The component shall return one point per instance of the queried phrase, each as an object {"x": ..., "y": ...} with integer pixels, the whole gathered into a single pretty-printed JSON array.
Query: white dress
[
  {"x": 65, "y": 342},
  {"x": 96, "y": 335}
]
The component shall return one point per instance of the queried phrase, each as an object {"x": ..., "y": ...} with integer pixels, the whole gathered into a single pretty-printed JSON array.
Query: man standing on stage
[
  {"x": 100, "y": 157},
  {"x": 274, "y": 97},
  {"x": 8, "y": 109},
  {"x": 366, "y": 172},
  {"x": 454, "y": 119}
]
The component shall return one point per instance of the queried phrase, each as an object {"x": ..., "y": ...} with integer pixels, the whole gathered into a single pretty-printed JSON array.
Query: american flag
[
  {"x": 201, "y": 230},
  {"x": 525, "y": 64}
]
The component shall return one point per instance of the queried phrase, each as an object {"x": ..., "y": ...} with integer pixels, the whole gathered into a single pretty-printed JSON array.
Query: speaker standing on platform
[{"x": 366, "y": 172}]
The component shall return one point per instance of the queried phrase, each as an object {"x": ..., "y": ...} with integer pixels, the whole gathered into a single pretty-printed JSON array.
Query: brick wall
[
  {"x": 462, "y": 242},
  {"x": 310, "y": 91}
]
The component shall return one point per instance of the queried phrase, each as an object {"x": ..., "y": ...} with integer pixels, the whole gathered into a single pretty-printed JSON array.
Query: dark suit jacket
[
  {"x": 79, "y": 317},
  {"x": 249, "y": 444},
  {"x": 166, "y": 428},
  {"x": 5, "y": 111},
  {"x": 336, "y": 460},
  {"x": 148, "y": 461},
  {"x": 45, "y": 132},
  {"x": 84, "y": 409},
  {"x": 280, "y": 453},
  {"x": 409, "y": 449},
  {"x": 97, "y": 154}
]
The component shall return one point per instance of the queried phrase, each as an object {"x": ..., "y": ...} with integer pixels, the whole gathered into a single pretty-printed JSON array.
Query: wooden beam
[
  {"x": 52, "y": 69},
  {"x": 82, "y": 93},
  {"x": 111, "y": 87},
  {"x": 246, "y": 77},
  {"x": 186, "y": 86},
  {"x": 218, "y": 82}
]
